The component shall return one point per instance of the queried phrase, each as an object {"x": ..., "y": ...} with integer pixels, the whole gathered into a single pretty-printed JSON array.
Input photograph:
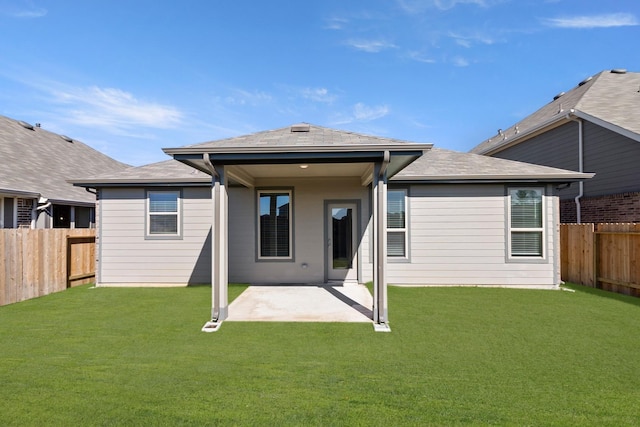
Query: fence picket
[
  {"x": 602, "y": 255},
  {"x": 33, "y": 263}
]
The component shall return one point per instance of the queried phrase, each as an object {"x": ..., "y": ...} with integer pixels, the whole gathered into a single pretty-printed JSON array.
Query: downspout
[{"x": 580, "y": 164}]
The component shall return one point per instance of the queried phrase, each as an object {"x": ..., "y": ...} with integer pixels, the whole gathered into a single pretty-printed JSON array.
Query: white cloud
[
  {"x": 467, "y": 40},
  {"x": 318, "y": 95},
  {"x": 336, "y": 23},
  {"x": 371, "y": 46},
  {"x": 361, "y": 112},
  {"x": 459, "y": 61},
  {"x": 114, "y": 109},
  {"x": 26, "y": 10},
  {"x": 419, "y": 6},
  {"x": 365, "y": 113},
  {"x": 244, "y": 97},
  {"x": 420, "y": 57},
  {"x": 594, "y": 21}
]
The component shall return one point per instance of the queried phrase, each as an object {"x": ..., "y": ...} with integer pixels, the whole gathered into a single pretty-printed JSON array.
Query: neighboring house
[
  {"x": 34, "y": 168},
  {"x": 595, "y": 127},
  {"x": 307, "y": 204}
]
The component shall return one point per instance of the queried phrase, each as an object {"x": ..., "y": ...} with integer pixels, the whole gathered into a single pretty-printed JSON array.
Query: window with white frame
[
  {"x": 526, "y": 222},
  {"x": 274, "y": 224},
  {"x": 163, "y": 213},
  {"x": 397, "y": 223}
]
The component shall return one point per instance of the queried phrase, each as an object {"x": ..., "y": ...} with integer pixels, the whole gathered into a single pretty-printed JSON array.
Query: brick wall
[
  {"x": 623, "y": 207},
  {"x": 24, "y": 213}
]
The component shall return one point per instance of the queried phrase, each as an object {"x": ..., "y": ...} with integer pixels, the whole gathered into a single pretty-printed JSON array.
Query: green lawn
[{"x": 455, "y": 356}]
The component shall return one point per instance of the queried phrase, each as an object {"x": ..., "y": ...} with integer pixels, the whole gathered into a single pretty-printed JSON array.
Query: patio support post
[
  {"x": 379, "y": 188},
  {"x": 219, "y": 245}
]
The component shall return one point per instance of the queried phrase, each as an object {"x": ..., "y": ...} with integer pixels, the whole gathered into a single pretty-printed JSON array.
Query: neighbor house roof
[
  {"x": 610, "y": 99},
  {"x": 439, "y": 165},
  {"x": 36, "y": 162},
  {"x": 166, "y": 172}
]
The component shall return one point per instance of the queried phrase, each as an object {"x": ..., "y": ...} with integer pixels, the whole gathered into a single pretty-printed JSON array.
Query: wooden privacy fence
[
  {"x": 34, "y": 263},
  {"x": 602, "y": 255}
]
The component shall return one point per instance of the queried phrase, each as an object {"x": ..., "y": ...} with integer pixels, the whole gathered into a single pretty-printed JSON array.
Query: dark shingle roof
[
  {"x": 40, "y": 162},
  {"x": 315, "y": 136},
  {"x": 167, "y": 171},
  {"x": 445, "y": 165},
  {"x": 612, "y": 97}
]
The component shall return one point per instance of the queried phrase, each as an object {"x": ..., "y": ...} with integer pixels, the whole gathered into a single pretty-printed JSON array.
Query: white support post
[
  {"x": 379, "y": 187},
  {"x": 219, "y": 239}
]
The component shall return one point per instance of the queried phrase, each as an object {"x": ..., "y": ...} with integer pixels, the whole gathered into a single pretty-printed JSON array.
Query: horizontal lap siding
[
  {"x": 309, "y": 196},
  {"x": 127, "y": 257},
  {"x": 458, "y": 237},
  {"x": 614, "y": 159}
]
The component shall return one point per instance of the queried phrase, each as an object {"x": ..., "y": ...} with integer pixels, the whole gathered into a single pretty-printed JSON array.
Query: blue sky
[{"x": 131, "y": 77}]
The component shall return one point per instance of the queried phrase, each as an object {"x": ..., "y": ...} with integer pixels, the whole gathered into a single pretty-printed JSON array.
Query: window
[
  {"x": 163, "y": 213},
  {"x": 396, "y": 223},
  {"x": 274, "y": 224},
  {"x": 61, "y": 216},
  {"x": 526, "y": 225}
]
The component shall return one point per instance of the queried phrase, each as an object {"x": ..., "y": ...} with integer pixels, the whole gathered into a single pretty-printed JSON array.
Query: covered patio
[{"x": 302, "y": 155}]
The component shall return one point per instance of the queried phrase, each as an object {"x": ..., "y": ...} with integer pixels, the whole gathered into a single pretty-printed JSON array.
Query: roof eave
[
  {"x": 121, "y": 182},
  {"x": 292, "y": 149},
  {"x": 495, "y": 178}
]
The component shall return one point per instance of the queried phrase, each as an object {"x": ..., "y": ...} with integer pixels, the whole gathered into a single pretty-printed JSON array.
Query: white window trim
[
  {"x": 542, "y": 230},
  {"x": 289, "y": 192},
  {"x": 158, "y": 236},
  {"x": 404, "y": 230}
]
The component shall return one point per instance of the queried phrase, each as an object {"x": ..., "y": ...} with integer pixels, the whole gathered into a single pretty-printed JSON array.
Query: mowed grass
[{"x": 455, "y": 356}]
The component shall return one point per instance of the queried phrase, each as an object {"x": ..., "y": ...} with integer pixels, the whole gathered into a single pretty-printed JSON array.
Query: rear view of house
[
  {"x": 36, "y": 164},
  {"x": 594, "y": 127},
  {"x": 308, "y": 204}
]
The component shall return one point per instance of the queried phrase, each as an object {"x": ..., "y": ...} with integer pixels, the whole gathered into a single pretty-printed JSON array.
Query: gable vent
[
  {"x": 300, "y": 127},
  {"x": 25, "y": 125}
]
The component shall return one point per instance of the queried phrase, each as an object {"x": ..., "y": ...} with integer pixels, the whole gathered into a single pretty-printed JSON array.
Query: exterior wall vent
[
  {"x": 300, "y": 127},
  {"x": 25, "y": 125},
  {"x": 619, "y": 71}
]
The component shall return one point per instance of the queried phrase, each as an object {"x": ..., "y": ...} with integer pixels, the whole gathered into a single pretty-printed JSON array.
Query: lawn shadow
[{"x": 604, "y": 294}]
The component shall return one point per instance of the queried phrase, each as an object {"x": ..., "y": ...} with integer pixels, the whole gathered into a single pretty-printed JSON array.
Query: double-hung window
[
  {"x": 526, "y": 222},
  {"x": 274, "y": 224},
  {"x": 163, "y": 214},
  {"x": 397, "y": 223}
]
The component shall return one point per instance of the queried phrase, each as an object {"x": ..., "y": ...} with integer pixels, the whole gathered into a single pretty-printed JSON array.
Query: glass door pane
[{"x": 342, "y": 238}]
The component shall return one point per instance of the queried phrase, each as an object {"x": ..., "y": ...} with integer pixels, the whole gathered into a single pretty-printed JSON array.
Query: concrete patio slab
[{"x": 306, "y": 303}]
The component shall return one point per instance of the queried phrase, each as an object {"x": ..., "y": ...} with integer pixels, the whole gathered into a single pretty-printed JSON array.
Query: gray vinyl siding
[
  {"x": 613, "y": 157},
  {"x": 458, "y": 237},
  {"x": 556, "y": 148},
  {"x": 126, "y": 257},
  {"x": 615, "y": 160},
  {"x": 308, "y": 265}
]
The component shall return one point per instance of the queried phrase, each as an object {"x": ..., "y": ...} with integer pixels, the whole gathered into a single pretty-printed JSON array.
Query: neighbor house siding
[
  {"x": 458, "y": 237},
  {"x": 556, "y": 148},
  {"x": 128, "y": 257},
  {"x": 614, "y": 158}
]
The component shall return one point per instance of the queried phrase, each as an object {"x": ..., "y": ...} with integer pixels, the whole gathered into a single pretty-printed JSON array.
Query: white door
[{"x": 342, "y": 242}]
